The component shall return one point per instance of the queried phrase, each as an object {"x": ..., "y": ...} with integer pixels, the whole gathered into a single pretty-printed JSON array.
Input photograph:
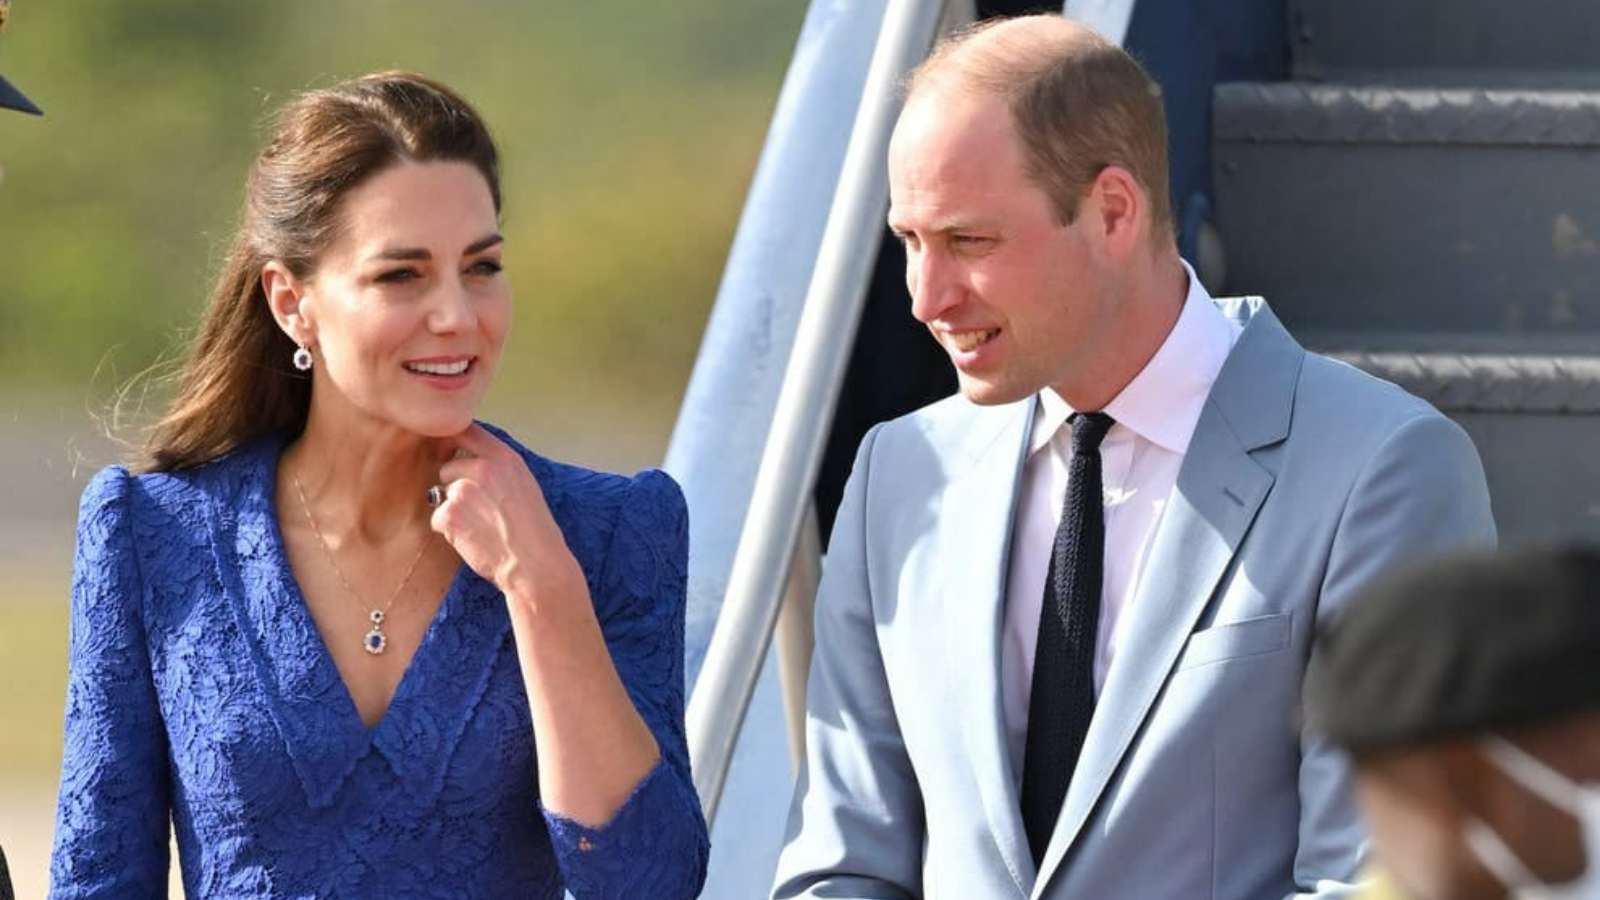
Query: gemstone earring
[{"x": 302, "y": 359}]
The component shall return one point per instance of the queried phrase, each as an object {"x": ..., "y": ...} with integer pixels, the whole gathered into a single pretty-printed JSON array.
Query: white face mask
[{"x": 1582, "y": 801}]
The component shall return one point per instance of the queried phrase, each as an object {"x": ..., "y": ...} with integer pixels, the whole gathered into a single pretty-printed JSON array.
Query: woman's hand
[
  {"x": 593, "y": 747},
  {"x": 496, "y": 518}
]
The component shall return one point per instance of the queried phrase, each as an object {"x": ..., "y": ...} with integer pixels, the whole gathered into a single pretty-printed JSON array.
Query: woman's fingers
[
  {"x": 466, "y": 467},
  {"x": 494, "y": 514},
  {"x": 506, "y": 475},
  {"x": 477, "y": 441},
  {"x": 448, "y": 519}
]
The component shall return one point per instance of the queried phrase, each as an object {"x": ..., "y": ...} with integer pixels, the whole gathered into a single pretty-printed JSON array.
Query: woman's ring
[{"x": 435, "y": 495}]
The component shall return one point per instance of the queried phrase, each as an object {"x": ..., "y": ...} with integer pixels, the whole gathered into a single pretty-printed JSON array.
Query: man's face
[
  {"x": 1418, "y": 802},
  {"x": 1416, "y": 819},
  {"x": 1013, "y": 296}
]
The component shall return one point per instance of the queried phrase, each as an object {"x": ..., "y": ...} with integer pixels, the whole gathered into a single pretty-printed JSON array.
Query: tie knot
[{"x": 1088, "y": 430}]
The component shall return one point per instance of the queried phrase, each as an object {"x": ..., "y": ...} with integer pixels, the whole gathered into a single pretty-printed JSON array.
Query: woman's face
[{"x": 409, "y": 308}]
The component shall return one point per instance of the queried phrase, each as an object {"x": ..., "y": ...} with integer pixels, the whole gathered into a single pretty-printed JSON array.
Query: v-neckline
[
  {"x": 316, "y": 715},
  {"x": 290, "y": 585}
]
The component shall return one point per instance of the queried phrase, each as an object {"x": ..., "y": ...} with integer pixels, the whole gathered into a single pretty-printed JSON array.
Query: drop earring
[{"x": 302, "y": 359}]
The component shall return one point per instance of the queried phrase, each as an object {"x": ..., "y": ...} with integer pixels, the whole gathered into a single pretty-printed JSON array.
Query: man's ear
[
  {"x": 285, "y": 294},
  {"x": 1120, "y": 208}
]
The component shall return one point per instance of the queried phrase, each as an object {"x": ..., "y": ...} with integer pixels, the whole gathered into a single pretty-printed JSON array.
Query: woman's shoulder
[
  {"x": 602, "y": 513},
  {"x": 646, "y": 487},
  {"x": 116, "y": 487}
]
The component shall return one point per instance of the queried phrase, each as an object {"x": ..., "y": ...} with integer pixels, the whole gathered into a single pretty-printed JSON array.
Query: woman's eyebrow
[
  {"x": 407, "y": 253},
  {"x": 484, "y": 243}
]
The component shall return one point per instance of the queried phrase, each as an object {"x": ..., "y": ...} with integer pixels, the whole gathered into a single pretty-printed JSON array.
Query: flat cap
[{"x": 1460, "y": 645}]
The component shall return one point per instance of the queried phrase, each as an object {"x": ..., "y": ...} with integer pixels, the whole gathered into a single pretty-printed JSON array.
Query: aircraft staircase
[{"x": 1422, "y": 198}]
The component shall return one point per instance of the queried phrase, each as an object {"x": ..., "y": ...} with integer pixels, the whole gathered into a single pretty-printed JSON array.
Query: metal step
[
  {"x": 1420, "y": 210},
  {"x": 1440, "y": 78},
  {"x": 1329, "y": 36},
  {"x": 1535, "y": 419},
  {"x": 1545, "y": 384}
]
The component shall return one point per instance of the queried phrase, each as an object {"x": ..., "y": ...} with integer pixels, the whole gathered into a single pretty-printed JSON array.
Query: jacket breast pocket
[{"x": 1233, "y": 640}]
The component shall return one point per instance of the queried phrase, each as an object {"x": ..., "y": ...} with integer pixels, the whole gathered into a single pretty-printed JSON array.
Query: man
[
  {"x": 1173, "y": 482},
  {"x": 10, "y": 97},
  {"x": 1468, "y": 691}
]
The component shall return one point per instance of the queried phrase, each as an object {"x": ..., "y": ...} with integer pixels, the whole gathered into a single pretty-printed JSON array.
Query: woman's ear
[{"x": 284, "y": 295}]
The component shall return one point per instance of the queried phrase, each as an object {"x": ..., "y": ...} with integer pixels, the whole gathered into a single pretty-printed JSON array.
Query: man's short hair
[{"x": 1079, "y": 103}]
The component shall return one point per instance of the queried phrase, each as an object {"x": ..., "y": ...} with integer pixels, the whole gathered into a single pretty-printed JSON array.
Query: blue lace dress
[{"x": 201, "y": 692}]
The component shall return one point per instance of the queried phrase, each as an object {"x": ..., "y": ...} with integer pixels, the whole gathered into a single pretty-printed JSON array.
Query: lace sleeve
[
  {"x": 111, "y": 820},
  {"x": 656, "y": 845}
]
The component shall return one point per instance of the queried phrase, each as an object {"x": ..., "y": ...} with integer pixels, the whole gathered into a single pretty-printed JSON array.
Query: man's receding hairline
[{"x": 1015, "y": 52}]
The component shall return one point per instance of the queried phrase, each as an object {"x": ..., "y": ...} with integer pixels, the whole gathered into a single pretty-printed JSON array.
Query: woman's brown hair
[{"x": 238, "y": 382}]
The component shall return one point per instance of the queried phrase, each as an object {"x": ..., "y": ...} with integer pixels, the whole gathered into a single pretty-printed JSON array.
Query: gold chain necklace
[{"x": 375, "y": 640}]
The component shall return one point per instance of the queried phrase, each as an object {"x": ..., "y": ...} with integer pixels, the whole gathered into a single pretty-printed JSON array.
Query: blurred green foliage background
[{"x": 629, "y": 133}]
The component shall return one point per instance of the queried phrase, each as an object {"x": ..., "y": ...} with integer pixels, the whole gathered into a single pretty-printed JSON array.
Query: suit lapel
[
  {"x": 1219, "y": 489},
  {"x": 974, "y": 546}
]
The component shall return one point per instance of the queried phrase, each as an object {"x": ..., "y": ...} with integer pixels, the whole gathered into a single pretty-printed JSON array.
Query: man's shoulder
[
  {"x": 1342, "y": 398},
  {"x": 1324, "y": 398},
  {"x": 950, "y": 430},
  {"x": 1349, "y": 427},
  {"x": 940, "y": 420}
]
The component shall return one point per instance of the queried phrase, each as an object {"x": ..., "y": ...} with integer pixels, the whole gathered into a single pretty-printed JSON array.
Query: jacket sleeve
[
  {"x": 111, "y": 819},
  {"x": 657, "y": 844},
  {"x": 856, "y": 826},
  {"x": 1422, "y": 493}
]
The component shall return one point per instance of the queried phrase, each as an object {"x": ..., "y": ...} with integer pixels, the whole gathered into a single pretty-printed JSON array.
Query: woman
[{"x": 353, "y": 643}]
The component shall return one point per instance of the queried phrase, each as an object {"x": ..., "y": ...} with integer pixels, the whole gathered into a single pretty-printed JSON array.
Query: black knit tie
[{"x": 1062, "y": 702}]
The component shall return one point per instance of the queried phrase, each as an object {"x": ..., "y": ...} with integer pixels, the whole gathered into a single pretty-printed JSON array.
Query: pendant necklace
[{"x": 374, "y": 641}]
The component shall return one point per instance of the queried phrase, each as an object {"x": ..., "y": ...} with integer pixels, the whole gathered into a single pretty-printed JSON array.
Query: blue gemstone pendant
[{"x": 375, "y": 640}]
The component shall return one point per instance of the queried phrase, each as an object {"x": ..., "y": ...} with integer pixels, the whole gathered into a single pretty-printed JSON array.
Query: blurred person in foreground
[
  {"x": 1468, "y": 692},
  {"x": 1062, "y": 628},
  {"x": 351, "y": 642},
  {"x": 10, "y": 97}
]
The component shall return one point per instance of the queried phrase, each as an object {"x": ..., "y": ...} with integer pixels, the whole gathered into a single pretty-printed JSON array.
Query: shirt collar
[{"x": 1162, "y": 403}]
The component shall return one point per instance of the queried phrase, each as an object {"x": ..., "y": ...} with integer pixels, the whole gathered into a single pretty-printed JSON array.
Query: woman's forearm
[{"x": 593, "y": 746}]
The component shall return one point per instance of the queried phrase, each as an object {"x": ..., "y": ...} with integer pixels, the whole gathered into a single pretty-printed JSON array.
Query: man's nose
[{"x": 932, "y": 283}]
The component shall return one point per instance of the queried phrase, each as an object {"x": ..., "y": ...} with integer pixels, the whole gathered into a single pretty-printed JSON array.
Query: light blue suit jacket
[{"x": 1304, "y": 478}]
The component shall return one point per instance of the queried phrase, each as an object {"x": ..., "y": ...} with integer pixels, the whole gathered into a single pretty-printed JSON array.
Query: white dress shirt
[{"x": 1155, "y": 417}]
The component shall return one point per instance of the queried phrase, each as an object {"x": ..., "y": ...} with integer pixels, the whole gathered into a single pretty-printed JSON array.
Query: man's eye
[{"x": 396, "y": 276}]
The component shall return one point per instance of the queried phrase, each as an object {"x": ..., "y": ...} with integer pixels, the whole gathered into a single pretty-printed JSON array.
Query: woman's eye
[
  {"x": 486, "y": 267},
  {"x": 396, "y": 276}
]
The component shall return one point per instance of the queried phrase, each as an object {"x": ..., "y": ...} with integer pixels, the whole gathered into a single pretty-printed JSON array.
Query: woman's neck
[{"x": 363, "y": 481}]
